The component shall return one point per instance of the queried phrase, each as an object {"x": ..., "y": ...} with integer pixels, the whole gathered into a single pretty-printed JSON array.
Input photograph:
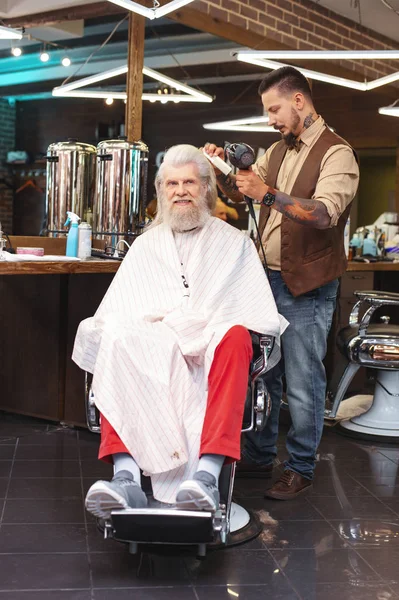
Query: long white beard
[{"x": 189, "y": 218}]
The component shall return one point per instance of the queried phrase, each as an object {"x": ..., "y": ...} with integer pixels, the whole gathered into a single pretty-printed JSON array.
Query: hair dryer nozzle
[{"x": 240, "y": 155}]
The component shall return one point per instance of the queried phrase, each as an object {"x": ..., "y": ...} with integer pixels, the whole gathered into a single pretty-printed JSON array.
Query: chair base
[{"x": 382, "y": 418}]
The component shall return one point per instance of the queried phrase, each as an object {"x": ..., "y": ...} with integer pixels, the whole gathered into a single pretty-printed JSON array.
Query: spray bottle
[{"x": 73, "y": 235}]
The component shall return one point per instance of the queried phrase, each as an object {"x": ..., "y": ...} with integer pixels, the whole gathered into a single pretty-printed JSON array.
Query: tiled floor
[{"x": 340, "y": 541}]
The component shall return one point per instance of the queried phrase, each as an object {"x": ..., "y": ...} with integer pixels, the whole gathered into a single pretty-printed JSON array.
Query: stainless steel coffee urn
[
  {"x": 71, "y": 170},
  {"x": 121, "y": 190}
]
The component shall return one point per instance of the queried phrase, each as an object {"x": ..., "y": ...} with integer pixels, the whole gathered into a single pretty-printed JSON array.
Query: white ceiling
[{"x": 374, "y": 14}]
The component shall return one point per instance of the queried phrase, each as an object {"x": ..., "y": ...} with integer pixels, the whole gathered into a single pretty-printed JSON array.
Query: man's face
[
  {"x": 184, "y": 197},
  {"x": 283, "y": 112}
]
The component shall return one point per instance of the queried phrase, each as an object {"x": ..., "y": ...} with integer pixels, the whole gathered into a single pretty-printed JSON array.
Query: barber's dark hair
[{"x": 287, "y": 80}]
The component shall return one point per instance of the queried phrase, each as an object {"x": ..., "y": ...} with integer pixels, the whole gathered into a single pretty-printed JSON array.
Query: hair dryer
[{"x": 242, "y": 156}]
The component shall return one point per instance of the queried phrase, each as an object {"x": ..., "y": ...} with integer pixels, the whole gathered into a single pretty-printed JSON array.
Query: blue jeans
[{"x": 304, "y": 346}]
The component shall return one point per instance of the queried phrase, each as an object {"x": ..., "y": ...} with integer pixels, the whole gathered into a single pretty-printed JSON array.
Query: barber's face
[
  {"x": 284, "y": 112},
  {"x": 182, "y": 188}
]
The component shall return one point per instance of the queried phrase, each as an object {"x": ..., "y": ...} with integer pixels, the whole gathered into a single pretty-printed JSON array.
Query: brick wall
[
  {"x": 7, "y": 143},
  {"x": 303, "y": 25}
]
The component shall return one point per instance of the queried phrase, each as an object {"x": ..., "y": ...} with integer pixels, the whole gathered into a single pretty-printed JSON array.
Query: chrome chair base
[{"x": 382, "y": 418}]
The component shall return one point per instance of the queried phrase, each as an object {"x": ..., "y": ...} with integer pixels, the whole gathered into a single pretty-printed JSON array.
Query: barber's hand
[
  {"x": 214, "y": 150},
  {"x": 251, "y": 185}
]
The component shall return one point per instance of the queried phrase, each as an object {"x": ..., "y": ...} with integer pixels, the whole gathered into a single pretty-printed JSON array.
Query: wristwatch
[{"x": 268, "y": 199}]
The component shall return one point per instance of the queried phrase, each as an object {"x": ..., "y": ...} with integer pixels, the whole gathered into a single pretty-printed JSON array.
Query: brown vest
[{"x": 309, "y": 257}]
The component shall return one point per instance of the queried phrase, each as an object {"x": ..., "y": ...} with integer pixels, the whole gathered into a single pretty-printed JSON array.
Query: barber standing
[{"x": 305, "y": 184}]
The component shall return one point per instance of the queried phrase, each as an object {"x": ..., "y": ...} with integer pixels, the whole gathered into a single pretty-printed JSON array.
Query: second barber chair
[
  {"x": 376, "y": 346},
  {"x": 165, "y": 524}
]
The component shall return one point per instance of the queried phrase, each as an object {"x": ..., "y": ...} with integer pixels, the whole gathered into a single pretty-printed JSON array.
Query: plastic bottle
[
  {"x": 73, "y": 235},
  {"x": 369, "y": 245},
  {"x": 84, "y": 245}
]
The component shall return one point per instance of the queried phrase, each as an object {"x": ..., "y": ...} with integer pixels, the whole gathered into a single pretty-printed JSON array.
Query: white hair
[{"x": 179, "y": 156}]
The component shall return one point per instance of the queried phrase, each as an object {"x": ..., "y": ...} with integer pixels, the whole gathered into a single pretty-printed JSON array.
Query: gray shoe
[
  {"x": 122, "y": 492},
  {"x": 198, "y": 493}
]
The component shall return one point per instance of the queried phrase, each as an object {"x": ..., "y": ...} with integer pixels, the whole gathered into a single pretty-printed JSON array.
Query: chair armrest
[
  {"x": 262, "y": 346},
  {"x": 375, "y": 299}
]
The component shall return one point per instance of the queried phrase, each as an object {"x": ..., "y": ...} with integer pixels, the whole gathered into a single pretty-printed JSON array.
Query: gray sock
[
  {"x": 125, "y": 462},
  {"x": 211, "y": 463}
]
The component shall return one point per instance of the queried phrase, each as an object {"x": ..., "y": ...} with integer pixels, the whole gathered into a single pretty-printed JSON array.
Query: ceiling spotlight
[
  {"x": 6, "y": 33},
  {"x": 44, "y": 56},
  {"x": 109, "y": 101},
  {"x": 66, "y": 62},
  {"x": 16, "y": 51}
]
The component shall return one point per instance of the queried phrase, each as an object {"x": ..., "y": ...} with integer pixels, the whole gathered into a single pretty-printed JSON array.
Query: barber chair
[
  {"x": 376, "y": 346},
  {"x": 161, "y": 524}
]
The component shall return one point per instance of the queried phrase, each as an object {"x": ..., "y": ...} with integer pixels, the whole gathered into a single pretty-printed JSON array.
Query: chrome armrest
[
  {"x": 266, "y": 345},
  {"x": 375, "y": 300}
]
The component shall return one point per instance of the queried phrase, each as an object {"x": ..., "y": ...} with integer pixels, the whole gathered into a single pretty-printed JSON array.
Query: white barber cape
[{"x": 151, "y": 342}]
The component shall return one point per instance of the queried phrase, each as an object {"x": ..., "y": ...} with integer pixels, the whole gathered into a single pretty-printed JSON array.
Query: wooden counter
[
  {"x": 41, "y": 267},
  {"x": 375, "y": 266}
]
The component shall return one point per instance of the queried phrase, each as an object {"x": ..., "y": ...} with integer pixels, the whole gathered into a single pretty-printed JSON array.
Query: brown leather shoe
[
  {"x": 290, "y": 485},
  {"x": 246, "y": 469}
]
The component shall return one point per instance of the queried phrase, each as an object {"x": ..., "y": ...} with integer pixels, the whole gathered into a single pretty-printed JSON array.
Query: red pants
[{"x": 227, "y": 390}]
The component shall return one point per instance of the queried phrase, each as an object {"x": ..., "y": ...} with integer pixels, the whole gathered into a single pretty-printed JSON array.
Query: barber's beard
[
  {"x": 290, "y": 139},
  {"x": 190, "y": 217}
]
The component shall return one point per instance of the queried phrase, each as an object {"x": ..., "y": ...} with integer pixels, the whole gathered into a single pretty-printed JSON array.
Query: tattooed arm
[
  {"x": 306, "y": 212},
  {"x": 227, "y": 184},
  {"x": 312, "y": 213}
]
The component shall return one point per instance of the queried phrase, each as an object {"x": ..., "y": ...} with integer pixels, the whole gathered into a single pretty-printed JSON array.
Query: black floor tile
[
  {"x": 45, "y": 468},
  {"x": 385, "y": 487},
  {"x": 7, "y": 451},
  {"x": 44, "y": 510},
  {"x": 303, "y": 535},
  {"x": 349, "y": 508},
  {"x": 281, "y": 590},
  {"x": 347, "y": 591},
  {"x": 306, "y": 568},
  {"x": 393, "y": 504},
  {"x": 122, "y": 570},
  {"x": 377, "y": 468},
  {"x": 20, "y": 539},
  {"x": 44, "y": 571},
  {"x": 46, "y": 487},
  {"x": 236, "y": 567},
  {"x": 169, "y": 593},
  {"x": 3, "y": 486},
  {"x": 384, "y": 560},
  {"x": 392, "y": 453},
  {"x": 20, "y": 429},
  {"x": 50, "y": 438},
  {"x": 298, "y": 509},
  {"x": 5, "y": 468},
  {"x": 97, "y": 543},
  {"x": 330, "y": 486},
  {"x": 56, "y": 451},
  {"x": 96, "y": 469},
  {"x": 368, "y": 532},
  {"x": 47, "y": 595}
]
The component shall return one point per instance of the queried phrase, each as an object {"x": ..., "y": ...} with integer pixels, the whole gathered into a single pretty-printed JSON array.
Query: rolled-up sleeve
[{"x": 338, "y": 181}]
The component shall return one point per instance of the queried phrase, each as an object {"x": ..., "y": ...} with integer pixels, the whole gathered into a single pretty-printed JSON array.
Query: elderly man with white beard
[{"x": 169, "y": 347}]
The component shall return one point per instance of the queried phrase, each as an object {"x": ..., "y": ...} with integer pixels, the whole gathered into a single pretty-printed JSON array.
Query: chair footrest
[{"x": 163, "y": 526}]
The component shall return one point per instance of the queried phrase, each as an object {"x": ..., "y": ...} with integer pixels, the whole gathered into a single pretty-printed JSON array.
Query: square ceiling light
[
  {"x": 266, "y": 59},
  {"x": 151, "y": 13},
  {"x": 74, "y": 89},
  {"x": 7, "y": 33}
]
